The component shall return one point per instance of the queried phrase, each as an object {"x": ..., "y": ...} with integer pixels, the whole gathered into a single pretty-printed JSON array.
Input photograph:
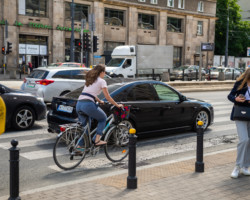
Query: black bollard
[
  {"x": 132, "y": 179},
  {"x": 199, "y": 165},
  {"x": 233, "y": 75},
  {"x": 14, "y": 171},
  {"x": 183, "y": 74}
]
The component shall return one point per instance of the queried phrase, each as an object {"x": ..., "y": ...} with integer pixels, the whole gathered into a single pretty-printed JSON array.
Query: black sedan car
[
  {"x": 22, "y": 109},
  {"x": 155, "y": 106}
]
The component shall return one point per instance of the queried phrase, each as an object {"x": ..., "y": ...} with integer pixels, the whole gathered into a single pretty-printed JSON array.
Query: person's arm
[
  {"x": 109, "y": 98},
  {"x": 99, "y": 101},
  {"x": 232, "y": 95}
]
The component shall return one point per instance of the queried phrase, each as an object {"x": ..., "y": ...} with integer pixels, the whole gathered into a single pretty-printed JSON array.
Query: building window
[
  {"x": 200, "y": 28},
  {"x": 35, "y": 8},
  {"x": 81, "y": 11},
  {"x": 114, "y": 17},
  {"x": 146, "y": 21},
  {"x": 181, "y": 4},
  {"x": 200, "y": 6},
  {"x": 177, "y": 56},
  {"x": 170, "y": 3},
  {"x": 174, "y": 24},
  {"x": 142, "y": 0},
  {"x": 154, "y": 1}
]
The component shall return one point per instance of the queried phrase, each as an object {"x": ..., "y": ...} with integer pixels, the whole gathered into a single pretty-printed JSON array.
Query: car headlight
[{"x": 40, "y": 99}]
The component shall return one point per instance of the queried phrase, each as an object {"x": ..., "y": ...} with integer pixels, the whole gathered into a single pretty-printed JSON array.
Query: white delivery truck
[{"x": 140, "y": 61}]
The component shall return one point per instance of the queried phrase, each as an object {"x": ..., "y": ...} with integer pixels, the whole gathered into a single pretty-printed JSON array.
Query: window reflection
[
  {"x": 165, "y": 93},
  {"x": 36, "y": 8},
  {"x": 146, "y": 21},
  {"x": 81, "y": 11},
  {"x": 114, "y": 17},
  {"x": 141, "y": 92}
]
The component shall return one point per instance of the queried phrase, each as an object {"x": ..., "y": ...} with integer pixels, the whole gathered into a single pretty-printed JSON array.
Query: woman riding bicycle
[{"x": 87, "y": 101}]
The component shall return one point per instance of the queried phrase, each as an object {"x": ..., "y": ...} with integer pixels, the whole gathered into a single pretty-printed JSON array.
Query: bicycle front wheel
[
  {"x": 65, "y": 153},
  {"x": 117, "y": 140}
]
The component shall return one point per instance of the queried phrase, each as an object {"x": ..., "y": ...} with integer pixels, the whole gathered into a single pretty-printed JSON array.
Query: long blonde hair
[
  {"x": 93, "y": 74},
  {"x": 244, "y": 78}
]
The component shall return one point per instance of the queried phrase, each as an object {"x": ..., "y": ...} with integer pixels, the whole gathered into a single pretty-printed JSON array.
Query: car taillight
[
  {"x": 44, "y": 82},
  {"x": 24, "y": 80}
]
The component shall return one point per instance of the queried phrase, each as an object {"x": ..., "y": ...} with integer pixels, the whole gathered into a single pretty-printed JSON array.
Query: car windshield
[
  {"x": 115, "y": 62},
  {"x": 180, "y": 68},
  {"x": 38, "y": 74},
  {"x": 75, "y": 94}
]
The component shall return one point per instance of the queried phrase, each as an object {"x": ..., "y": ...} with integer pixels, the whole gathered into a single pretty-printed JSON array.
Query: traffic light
[
  {"x": 86, "y": 42},
  {"x": 79, "y": 44},
  {"x": 9, "y": 47},
  {"x": 95, "y": 44},
  {"x": 3, "y": 50}
]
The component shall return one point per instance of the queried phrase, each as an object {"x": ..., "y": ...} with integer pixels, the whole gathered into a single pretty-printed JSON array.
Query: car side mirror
[
  {"x": 2, "y": 90},
  {"x": 183, "y": 98}
]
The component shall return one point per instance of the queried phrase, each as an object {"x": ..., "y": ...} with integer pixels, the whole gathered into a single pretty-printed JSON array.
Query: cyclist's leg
[{"x": 80, "y": 106}]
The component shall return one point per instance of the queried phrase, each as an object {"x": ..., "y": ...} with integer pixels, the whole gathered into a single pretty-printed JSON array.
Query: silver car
[
  {"x": 230, "y": 73},
  {"x": 51, "y": 82}
]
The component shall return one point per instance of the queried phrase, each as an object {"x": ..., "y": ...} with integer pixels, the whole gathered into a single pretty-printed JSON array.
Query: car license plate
[
  {"x": 63, "y": 108},
  {"x": 31, "y": 85}
]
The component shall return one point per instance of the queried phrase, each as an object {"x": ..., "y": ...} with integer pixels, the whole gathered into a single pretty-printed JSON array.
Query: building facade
[
  {"x": 40, "y": 30},
  {"x": 245, "y": 9}
]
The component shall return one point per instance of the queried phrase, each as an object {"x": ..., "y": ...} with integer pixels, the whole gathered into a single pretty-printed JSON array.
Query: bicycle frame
[{"x": 109, "y": 121}]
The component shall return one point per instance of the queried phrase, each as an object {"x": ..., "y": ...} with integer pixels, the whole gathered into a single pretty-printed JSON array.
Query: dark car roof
[{"x": 113, "y": 84}]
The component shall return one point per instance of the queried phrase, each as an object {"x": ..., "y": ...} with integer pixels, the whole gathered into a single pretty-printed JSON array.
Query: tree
[{"x": 239, "y": 31}]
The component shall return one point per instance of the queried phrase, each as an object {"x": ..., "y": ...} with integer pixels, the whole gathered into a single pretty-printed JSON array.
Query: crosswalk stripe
[
  {"x": 226, "y": 107},
  {"x": 221, "y": 112},
  {"x": 29, "y": 143},
  {"x": 222, "y": 119},
  {"x": 21, "y": 134}
]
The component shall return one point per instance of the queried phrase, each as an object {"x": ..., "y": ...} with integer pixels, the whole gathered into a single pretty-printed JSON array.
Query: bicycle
[{"x": 66, "y": 154}]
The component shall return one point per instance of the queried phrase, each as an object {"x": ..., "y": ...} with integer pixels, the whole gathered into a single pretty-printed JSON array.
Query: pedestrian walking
[
  {"x": 30, "y": 66},
  {"x": 240, "y": 96}
]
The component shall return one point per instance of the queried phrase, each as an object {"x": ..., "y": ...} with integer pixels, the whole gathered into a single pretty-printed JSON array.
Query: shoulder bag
[{"x": 241, "y": 113}]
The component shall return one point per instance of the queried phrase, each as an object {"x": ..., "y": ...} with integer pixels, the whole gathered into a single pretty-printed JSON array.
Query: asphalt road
[{"x": 37, "y": 168}]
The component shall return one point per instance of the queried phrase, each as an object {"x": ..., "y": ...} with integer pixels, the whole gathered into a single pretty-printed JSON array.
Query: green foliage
[{"x": 239, "y": 31}]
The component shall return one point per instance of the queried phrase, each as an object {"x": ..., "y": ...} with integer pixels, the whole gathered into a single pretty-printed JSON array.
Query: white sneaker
[
  {"x": 235, "y": 172},
  {"x": 245, "y": 171}
]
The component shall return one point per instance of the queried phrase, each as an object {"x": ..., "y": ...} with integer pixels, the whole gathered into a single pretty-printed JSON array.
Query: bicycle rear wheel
[
  {"x": 65, "y": 152},
  {"x": 117, "y": 140}
]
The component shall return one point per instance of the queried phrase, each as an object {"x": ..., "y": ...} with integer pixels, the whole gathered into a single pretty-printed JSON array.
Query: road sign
[
  {"x": 248, "y": 51},
  {"x": 207, "y": 46},
  {"x": 97, "y": 56}
]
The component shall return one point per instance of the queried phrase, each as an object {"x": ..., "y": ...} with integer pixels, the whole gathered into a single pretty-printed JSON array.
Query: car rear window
[
  {"x": 39, "y": 74},
  {"x": 62, "y": 74}
]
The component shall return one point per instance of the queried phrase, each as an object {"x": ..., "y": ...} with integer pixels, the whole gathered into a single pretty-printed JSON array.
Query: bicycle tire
[
  {"x": 65, "y": 154},
  {"x": 117, "y": 140}
]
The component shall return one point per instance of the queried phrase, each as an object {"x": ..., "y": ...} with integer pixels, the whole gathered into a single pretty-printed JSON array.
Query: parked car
[
  {"x": 155, "y": 106},
  {"x": 52, "y": 82},
  {"x": 22, "y": 109},
  {"x": 230, "y": 73},
  {"x": 191, "y": 72},
  {"x": 66, "y": 64}
]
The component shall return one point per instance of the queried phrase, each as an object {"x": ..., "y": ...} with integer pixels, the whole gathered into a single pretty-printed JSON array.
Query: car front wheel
[
  {"x": 23, "y": 118},
  {"x": 202, "y": 116}
]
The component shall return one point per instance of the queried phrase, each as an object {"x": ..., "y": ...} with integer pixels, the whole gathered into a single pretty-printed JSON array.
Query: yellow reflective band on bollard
[
  {"x": 2, "y": 115},
  {"x": 200, "y": 123},
  {"x": 132, "y": 131}
]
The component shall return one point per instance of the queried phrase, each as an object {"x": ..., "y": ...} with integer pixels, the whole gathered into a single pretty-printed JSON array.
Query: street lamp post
[
  {"x": 226, "y": 50},
  {"x": 72, "y": 39}
]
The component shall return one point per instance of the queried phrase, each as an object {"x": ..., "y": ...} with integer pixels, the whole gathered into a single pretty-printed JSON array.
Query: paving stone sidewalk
[{"x": 171, "y": 181}]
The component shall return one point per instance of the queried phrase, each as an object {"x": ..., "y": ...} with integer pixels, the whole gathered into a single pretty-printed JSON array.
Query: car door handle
[{"x": 167, "y": 107}]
